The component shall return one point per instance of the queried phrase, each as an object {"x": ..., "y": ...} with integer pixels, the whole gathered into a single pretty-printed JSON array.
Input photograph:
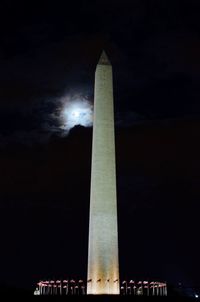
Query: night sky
[{"x": 48, "y": 55}]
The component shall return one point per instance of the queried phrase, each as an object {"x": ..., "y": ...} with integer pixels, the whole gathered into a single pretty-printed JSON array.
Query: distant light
[{"x": 196, "y": 296}]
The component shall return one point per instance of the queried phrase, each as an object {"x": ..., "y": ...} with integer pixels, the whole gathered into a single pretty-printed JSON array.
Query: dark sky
[{"x": 50, "y": 50}]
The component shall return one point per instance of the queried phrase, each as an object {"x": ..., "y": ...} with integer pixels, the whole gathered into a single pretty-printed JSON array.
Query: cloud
[{"x": 43, "y": 118}]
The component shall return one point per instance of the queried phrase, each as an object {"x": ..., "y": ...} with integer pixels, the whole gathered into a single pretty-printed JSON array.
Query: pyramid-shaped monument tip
[{"x": 104, "y": 59}]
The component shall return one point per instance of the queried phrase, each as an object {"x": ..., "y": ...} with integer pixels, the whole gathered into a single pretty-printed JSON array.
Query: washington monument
[{"x": 103, "y": 263}]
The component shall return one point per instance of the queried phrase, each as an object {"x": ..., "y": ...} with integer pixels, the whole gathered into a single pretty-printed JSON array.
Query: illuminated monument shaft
[{"x": 103, "y": 265}]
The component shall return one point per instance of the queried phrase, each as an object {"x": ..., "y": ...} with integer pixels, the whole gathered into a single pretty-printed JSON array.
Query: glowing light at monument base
[{"x": 101, "y": 285}]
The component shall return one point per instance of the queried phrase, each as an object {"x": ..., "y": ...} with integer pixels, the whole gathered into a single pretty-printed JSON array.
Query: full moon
[{"x": 76, "y": 112}]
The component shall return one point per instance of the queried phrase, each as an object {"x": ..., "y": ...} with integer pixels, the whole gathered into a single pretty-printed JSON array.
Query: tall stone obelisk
[{"x": 103, "y": 264}]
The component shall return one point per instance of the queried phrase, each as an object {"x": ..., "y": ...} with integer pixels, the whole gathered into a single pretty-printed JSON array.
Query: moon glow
[{"x": 76, "y": 112}]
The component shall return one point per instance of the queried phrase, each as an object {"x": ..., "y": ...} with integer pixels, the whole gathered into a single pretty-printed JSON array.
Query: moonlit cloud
[
  {"x": 76, "y": 112},
  {"x": 71, "y": 110}
]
